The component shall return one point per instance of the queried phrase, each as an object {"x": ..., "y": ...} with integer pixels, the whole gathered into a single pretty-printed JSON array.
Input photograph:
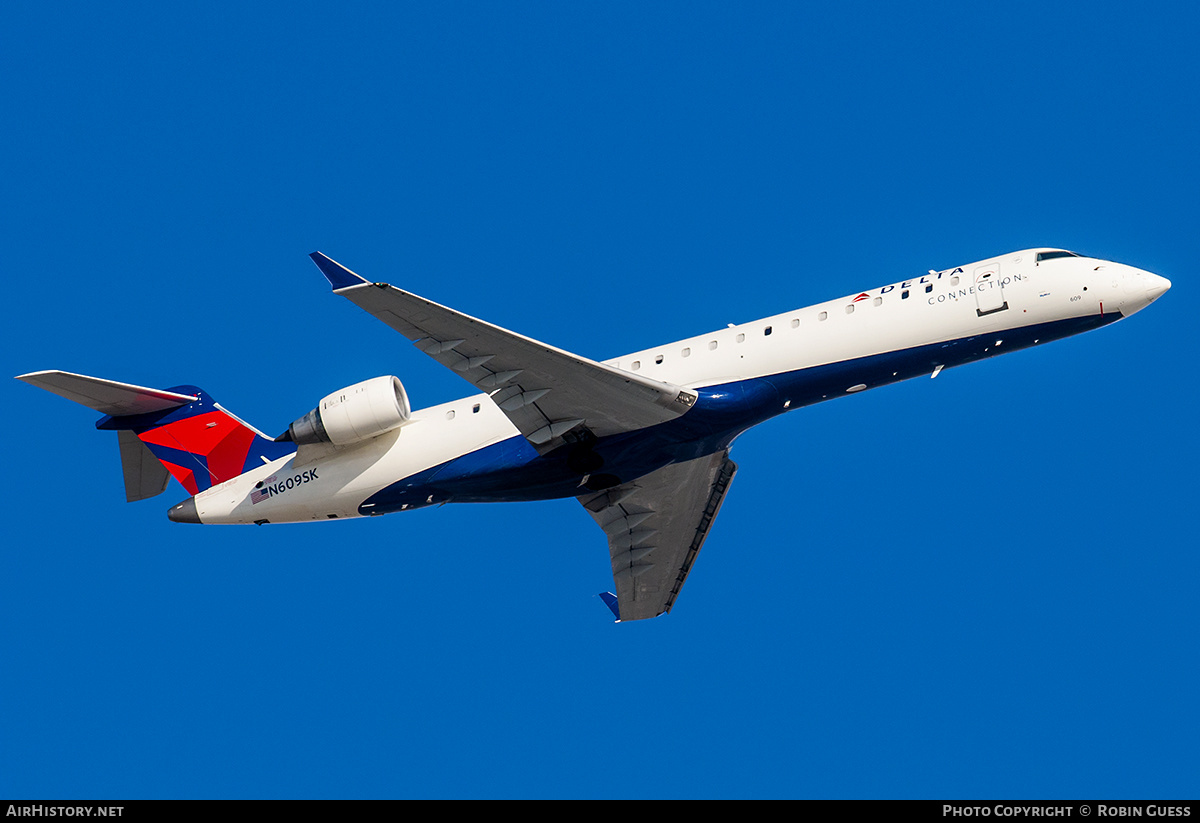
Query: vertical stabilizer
[{"x": 189, "y": 435}]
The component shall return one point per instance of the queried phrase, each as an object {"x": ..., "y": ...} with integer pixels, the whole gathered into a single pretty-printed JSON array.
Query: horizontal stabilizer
[{"x": 106, "y": 396}]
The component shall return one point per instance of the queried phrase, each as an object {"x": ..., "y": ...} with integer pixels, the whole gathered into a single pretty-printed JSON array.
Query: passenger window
[
  {"x": 823, "y": 315},
  {"x": 637, "y": 364},
  {"x": 712, "y": 344},
  {"x": 849, "y": 308},
  {"x": 450, "y": 414},
  {"x": 954, "y": 280},
  {"x": 878, "y": 301},
  {"x": 795, "y": 322},
  {"x": 658, "y": 359},
  {"x": 766, "y": 331},
  {"x": 904, "y": 294},
  {"x": 475, "y": 409},
  {"x": 741, "y": 338},
  {"x": 686, "y": 352},
  {"x": 928, "y": 288}
]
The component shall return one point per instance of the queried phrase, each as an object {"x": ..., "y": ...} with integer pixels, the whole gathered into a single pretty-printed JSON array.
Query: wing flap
[{"x": 656, "y": 526}]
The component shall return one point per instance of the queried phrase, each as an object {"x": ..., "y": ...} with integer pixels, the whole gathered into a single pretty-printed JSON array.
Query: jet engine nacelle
[{"x": 354, "y": 414}]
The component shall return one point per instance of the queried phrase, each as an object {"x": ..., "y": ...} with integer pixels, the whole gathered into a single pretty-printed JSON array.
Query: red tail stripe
[{"x": 184, "y": 476}]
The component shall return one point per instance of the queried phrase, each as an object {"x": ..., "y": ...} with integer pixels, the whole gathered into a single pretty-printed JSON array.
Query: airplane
[{"x": 641, "y": 441}]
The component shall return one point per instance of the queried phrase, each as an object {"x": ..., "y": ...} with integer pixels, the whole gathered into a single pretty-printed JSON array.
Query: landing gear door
[{"x": 989, "y": 290}]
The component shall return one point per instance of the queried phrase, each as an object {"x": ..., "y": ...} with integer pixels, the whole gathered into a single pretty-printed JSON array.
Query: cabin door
[{"x": 989, "y": 291}]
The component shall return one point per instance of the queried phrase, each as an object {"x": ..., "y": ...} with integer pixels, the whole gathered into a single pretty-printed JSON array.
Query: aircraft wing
[
  {"x": 656, "y": 526},
  {"x": 550, "y": 395}
]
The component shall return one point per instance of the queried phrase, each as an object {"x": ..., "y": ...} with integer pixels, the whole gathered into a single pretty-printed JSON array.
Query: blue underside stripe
[{"x": 512, "y": 470}]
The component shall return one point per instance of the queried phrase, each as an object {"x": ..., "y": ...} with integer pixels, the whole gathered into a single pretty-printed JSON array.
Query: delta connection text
[{"x": 954, "y": 293}]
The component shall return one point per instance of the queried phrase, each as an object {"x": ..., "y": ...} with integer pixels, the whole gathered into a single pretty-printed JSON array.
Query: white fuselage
[{"x": 989, "y": 298}]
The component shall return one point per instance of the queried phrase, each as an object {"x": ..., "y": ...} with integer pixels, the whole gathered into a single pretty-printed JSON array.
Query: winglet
[
  {"x": 338, "y": 275},
  {"x": 610, "y": 600}
]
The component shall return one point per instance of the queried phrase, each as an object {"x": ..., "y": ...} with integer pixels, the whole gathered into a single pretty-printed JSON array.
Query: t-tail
[{"x": 179, "y": 432}]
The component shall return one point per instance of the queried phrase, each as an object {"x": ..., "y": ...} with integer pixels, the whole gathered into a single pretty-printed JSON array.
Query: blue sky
[{"x": 979, "y": 586}]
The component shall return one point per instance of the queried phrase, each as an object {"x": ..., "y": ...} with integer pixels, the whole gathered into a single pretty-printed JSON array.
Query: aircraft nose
[
  {"x": 1157, "y": 287},
  {"x": 1141, "y": 288}
]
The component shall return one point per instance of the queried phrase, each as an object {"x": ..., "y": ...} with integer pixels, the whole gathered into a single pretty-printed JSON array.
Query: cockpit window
[{"x": 1050, "y": 255}]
